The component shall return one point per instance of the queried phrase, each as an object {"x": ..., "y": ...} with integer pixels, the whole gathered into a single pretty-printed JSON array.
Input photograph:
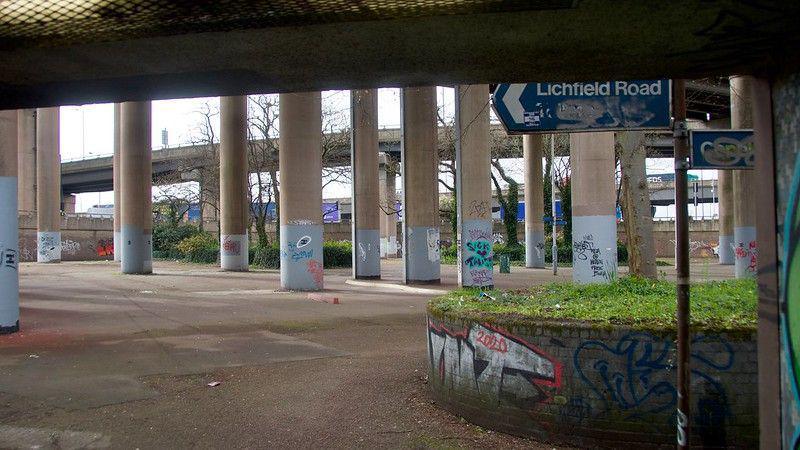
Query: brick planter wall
[{"x": 575, "y": 384}]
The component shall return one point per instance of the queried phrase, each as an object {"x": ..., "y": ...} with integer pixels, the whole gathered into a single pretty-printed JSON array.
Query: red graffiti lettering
[
  {"x": 315, "y": 269},
  {"x": 492, "y": 342},
  {"x": 105, "y": 248}
]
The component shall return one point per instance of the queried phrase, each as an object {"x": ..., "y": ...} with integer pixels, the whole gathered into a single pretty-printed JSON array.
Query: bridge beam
[
  {"x": 9, "y": 224},
  {"x": 233, "y": 184},
  {"x": 744, "y": 207},
  {"x": 533, "y": 148},
  {"x": 48, "y": 186},
  {"x": 136, "y": 183},
  {"x": 300, "y": 166},
  {"x": 594, "y": 222},
  {"x": 473, "y": 187},
  {"x": 420, "y": 185},
  {"x": 365, "y": 197}
]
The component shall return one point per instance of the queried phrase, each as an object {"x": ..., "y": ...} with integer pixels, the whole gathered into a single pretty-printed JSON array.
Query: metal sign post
[
  {"x": 681, "y": 137},
  {"x": 553, "y": 202}
]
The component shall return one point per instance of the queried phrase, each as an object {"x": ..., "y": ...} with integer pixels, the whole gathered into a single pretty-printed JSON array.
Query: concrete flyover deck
[{"x": 125, "y": 360}]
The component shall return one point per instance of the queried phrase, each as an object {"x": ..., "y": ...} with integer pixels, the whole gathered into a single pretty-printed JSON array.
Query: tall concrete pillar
[
  {"x": 744, "y": 207},
  {"x": 26, "y": 160},
  {"x": 233, "y": 184},
  {"x": 473, "y": 178},
  {"x": 388, "y": 192},
  {"x": 9, "y": 225},
  {"x": 48, "y": 186},
  {"x": 532, "y": 151},
  {"x": 136, "y": 183},
  {"x": 117, "y": 187},
  {"x": 300, "y": 164},
  {"x": 594, "y": 222},
  {"x": 421, "y": 222},
  {"x": 725, "y": 194},
  {"x": 366, "y": 202}
]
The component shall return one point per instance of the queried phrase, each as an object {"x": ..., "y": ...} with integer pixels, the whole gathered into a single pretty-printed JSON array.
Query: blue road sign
[
  {"x": 594, "y": 106},
  {"x": 722, "y": 149}
]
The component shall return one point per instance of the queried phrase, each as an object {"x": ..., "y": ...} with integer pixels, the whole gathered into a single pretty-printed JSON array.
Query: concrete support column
[
  {"x": 725, "y": 190},
  {"x": 117, "y": 187},
  {"x": 473, "y": 178},
  {"x": 26, "y": 160},
  {"x": 48, "y": 186},
  {"x": 744, "y": 207},
  {"x": 594, "y": 222},
  {"x": 366, "y": 202},
  {"x": 136, "y": 182},
  {"x": 68, "y": 204},
  {"x": 233, "y": 184},
  {"x": 300, "y": 165},
  {"x": 9, "y": 225},
  {"x": 421, "y": 222},
  {"x": 388, "y": 199},
  {"x": 532, "y": 151}
]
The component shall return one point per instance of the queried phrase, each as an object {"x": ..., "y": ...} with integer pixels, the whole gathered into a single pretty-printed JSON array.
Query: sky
[{"x": 87, "y": 132}]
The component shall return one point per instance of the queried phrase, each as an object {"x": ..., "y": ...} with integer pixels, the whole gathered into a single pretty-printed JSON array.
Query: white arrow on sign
[{"x": 511, "y": 100}]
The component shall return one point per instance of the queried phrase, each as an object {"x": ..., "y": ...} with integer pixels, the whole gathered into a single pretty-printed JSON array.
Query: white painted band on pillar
[
  {"x": 475, "y": 254},
  {"x": 725, "y": 250},
  {"x": 48, "y": 246},
  {"x": 423, "y": 256},
  {"x": 9, "y": 256},
  {"x": 391, "y": 250},
  {"x": 234, "y": 252},
  {"x": 745, "y": 252},
  {"x": 137, "y": 256},
  {"x": 594, "y": 249},
  {"x": 384, "y": 247},
  {"x": 534, "y": 249},
  {"x": 368, "y": 261},
  {"x": 117, "y": 246},
  {"x": 301, "y": 257}
]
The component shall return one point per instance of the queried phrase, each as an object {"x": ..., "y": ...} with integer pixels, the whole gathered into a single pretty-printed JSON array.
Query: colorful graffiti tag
[
  {"x": 494, "y": 362},
  {"x": 790, "y": 291}
]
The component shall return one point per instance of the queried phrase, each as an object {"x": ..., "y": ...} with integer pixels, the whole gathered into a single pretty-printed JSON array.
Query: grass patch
[{"x": 631, "y": 301}]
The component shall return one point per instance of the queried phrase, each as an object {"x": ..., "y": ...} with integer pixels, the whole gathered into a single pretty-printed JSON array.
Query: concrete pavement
[{"x": 105, "y": 359}]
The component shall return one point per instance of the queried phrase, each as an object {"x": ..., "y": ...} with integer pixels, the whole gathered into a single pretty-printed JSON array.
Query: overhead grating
[{"x": 28, "y": 23}]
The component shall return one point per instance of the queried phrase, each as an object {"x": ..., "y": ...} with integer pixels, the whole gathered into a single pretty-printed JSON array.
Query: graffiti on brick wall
[
  {"x": 70, "y": 247},
  {"x": 636, "y": 376},
  {"x": 790, "y": 309},
  {"x": 105, "y": 247},
  {"x": 493, "y": 362}
]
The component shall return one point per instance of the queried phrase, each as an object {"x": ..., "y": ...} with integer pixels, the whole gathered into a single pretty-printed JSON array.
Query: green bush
[
  {"x": 267, "y": 256},
  {"x": 166, "y": 237},
  {"x": 200, "y": 248},
  {"x": 622, "y": 253},
  {"x": 337, "y": 254},
  {"x": 514, "y": 252},
  {"x": 564, "y": 251}
]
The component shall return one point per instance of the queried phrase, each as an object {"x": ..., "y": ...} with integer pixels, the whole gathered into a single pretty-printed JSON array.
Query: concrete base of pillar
[
  {"x": 48, "y": 246},
  {"x": 422, "y": 255},
  {"x": 117, "y": 246},
  {"x": 475, "y": 255},
  {"x": 9, "y": 256},
  {"x": 745, "y": 252},
  {"x": 301, "y": 257},
  {"x": 725, "y": 250},
  {"x": 137, "y": 253},
  {"x": 389, "y": 247},
  {"x": 367, "y": 248},
  {"x": 534, "y": 249},
  {"x": 234, "y": 252},
  {"x": 594, "y": 249}
]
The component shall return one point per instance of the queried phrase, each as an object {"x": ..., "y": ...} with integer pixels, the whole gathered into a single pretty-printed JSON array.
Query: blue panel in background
[
  {"x": 722, "y": 149},
  {"x": 600, "y": 105}
]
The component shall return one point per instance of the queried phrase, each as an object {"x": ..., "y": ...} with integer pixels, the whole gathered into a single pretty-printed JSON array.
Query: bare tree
[
  {"x": 204, "y": 168},
  {"x": 263, "y": 162}
]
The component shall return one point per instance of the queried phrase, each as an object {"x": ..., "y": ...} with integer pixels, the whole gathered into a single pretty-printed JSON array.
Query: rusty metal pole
[{"x": 682, "y": 256}]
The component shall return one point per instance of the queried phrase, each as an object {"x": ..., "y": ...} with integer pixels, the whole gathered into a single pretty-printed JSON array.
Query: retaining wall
[
  {"x": 82, "y": 238},
  {"x": 593, "y": 387}
]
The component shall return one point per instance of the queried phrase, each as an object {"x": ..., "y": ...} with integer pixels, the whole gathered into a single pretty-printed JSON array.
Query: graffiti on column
[
  {"x": 231, "y": 247},
  {"x": 790, "y": 296},
  {"x": 48, "y": 246},
  {"x": 492, "y": 361},
  {"x": 298, "y": 251},
  {"x": 585, "y": 249},
  {"x": 433, "y": 244},
  {"x": 479, "y": 209},
  {"x": 748, "y": 252},
  {"x": 9, "y": 258},
  {"x": 314, "y": 267}
]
